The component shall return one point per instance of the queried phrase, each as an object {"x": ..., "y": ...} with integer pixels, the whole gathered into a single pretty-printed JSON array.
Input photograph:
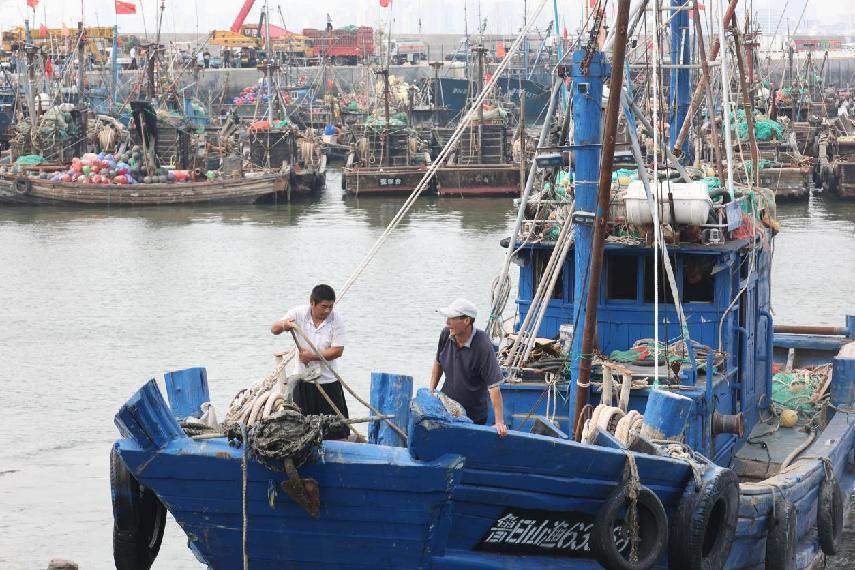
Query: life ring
[
  {"x": 138, "y": 519},
  {"x": 652, "y": 527},
  {"x": 23, "y": 185},
  {"x": 703, "y": 528},
  {"x": 829, "y": 515},
  {"x": 781, "y": 539}
]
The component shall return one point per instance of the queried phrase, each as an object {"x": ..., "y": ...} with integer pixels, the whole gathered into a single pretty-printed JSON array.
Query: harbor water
[{"x": 95, "y": 302}]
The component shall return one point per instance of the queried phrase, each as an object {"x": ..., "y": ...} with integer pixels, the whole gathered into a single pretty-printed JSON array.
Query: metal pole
[
  {"x": 599, "y": 230},
  {"x": 81, "y": 66},
  {"x": 114, "y": 65},
  {"x": 681, "y": 54},
  {"x": 267, "y": 71},
  {"x": 387, "y": 140},
  {"x": 725, "y": 110},
  {"x": 557, "y": 83},
  {"x": 706, "y": 81},
  {"x": 699, "y": 89},
  {"x": 746, "y": 102},
  {"x": 522, "y": 141}
]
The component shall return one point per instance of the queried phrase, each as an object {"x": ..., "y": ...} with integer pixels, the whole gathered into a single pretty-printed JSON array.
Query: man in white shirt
[{"x": 326, "y": 331}]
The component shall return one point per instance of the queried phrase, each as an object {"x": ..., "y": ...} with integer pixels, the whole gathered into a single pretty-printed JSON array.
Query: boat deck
[{"x": 762, "y": 454}]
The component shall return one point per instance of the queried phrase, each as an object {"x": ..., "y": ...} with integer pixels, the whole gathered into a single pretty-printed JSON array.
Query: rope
[
  {"x": 628, "y": 428},
  {"x": 352, "y": 392},
  {"x": 630, "y": 476},
  {"x": 443, "y": 155}
]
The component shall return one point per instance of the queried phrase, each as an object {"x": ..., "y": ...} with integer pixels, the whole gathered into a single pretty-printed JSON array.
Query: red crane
[{"x": 247, "y": 6}]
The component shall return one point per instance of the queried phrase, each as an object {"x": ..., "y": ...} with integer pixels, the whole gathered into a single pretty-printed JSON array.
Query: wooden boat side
[{"x": 238, "y": 190}]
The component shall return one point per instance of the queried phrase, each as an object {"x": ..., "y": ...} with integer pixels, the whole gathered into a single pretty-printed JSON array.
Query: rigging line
[{"x": 440, "y": 159}]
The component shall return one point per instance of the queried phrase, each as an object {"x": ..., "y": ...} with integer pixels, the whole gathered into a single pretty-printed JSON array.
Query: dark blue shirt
[{"x": 469, "y": 371}]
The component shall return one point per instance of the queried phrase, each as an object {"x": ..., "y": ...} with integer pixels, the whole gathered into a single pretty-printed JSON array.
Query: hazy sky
[{"x": 437, "y": 16}]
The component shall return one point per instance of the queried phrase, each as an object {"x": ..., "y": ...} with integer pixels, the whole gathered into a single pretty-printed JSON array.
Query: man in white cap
[{"x": 465, "y": 355}]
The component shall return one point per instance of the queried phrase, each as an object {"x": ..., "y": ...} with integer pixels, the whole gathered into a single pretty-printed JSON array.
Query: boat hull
[
  {"x": 395, "y": 180},
  {"x": 478, "y": 180},
  {"x": 245, "y": 190}
]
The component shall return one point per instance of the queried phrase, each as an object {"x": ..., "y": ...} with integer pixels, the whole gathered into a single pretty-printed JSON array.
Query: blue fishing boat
[{"x": 726, "y": 444}]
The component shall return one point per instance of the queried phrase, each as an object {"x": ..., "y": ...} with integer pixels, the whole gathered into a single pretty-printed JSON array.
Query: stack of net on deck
[
  {"x": 286, "y": 433},
  {"x": 801, "y": 390},
  {"x": 764, "y": 128},
  {"x": 643, "y": 353}
]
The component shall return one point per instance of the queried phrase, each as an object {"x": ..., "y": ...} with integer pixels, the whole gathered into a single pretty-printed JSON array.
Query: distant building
[{"x": 817, "y": 43}]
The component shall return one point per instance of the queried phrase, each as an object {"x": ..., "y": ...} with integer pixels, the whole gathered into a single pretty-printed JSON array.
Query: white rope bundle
[{"x": 525, "y": 340}]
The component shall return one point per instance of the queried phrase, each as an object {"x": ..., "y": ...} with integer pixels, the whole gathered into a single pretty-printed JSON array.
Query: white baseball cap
[{"x": 459, "y": 308}]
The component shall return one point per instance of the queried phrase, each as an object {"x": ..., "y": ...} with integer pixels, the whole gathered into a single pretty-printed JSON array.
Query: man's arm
[
  {"x": 331, "y": 353},
  {"x": 498, "y": 410},
  {"x": 282, "y": 325},
  {"x": 435, "y": 375}
]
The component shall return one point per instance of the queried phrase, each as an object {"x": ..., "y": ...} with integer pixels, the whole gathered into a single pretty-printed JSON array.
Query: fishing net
[
  {"x": 764, "y": 128},
  {"x": 800, "y": 390},
  {"x": 624, "y": 172},
  {"x": 30, "y": 160},
  {"x": 287, "y": 433},
  {"x": 643, "y": 353}
]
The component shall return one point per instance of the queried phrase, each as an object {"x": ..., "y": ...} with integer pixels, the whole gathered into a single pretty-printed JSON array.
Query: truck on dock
[
  {"x": 342, "y": 46},
  {"x": 407, "y": 51}
]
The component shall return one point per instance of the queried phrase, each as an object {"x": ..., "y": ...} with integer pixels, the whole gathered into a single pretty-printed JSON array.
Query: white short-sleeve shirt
[{"x": 331, "y": 332}]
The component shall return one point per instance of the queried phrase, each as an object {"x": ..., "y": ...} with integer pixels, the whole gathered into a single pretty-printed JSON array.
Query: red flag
[
  {"x": 32, "y": 3},
  {"x": 385, "y": 3},
  {"x": 125, "y": 7},
  {"x": 43, "y": 33},
  {"x": 49, "y": 67}
]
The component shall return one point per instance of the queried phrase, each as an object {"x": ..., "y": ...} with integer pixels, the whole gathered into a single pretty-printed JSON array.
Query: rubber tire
[
  {"x": 829, "y": 516},
  {"x": 138, "y": 519},
  {"x": 781, "y": 540},
  {"x": 653, "y": 523},
  {"x": 714, "y": 507},
  {"x": 23, "y": 185}
]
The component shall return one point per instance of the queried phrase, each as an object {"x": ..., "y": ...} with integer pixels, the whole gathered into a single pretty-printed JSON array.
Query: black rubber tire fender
[
  {"x": 781, "y": 538},
  {"x": 653, "y": 526},
  {"x": 829, "y": 516},
  {"x": 23, "y": 185},
  {"x": 704, "y": 526},
  {"x": 139, "y": 519}
]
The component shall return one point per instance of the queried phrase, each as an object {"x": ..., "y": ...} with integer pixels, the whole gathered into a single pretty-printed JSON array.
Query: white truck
[{"x": 408, "y": 51}]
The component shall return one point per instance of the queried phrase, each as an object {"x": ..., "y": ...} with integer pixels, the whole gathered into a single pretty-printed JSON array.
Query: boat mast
[
  {"x": 681, "y": 58},
  {"x": 267, "y": 70},
  {"x": 114, "y": 65},
  {"x": 589, "y": 69},
  {"x": 81, "y": 65}
]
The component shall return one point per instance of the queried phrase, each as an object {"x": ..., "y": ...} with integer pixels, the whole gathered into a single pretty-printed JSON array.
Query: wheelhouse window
[
  {"x": 698, "y": 280},
  {"x": 540, "y": 259},
  {"x": 622, "y": 278},
  {"x": 665, "y": 295}
]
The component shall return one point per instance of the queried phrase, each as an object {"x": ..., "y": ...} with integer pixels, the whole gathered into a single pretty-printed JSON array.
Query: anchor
[{"x": 304, "y": 492}]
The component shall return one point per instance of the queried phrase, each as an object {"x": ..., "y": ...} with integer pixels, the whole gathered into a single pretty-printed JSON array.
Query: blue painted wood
[
  {"x": 666, "y": 415},
  {"x": 147, "y": 420},
  {"x": 813, "y": 341},
  {"x": 605, "y": 439},
  {"x": 187, "y": 390},
  {"x": 799, "y": 484},
  {"x": 843, "y": 382},
  {"x": 379, "y": 508},
  {"x": 390, "y": 395}
]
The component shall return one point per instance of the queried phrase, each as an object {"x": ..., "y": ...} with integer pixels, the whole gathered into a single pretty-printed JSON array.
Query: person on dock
[
  {"x": 326, "y": 330},
  {"x": 466, "y": 356}
]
